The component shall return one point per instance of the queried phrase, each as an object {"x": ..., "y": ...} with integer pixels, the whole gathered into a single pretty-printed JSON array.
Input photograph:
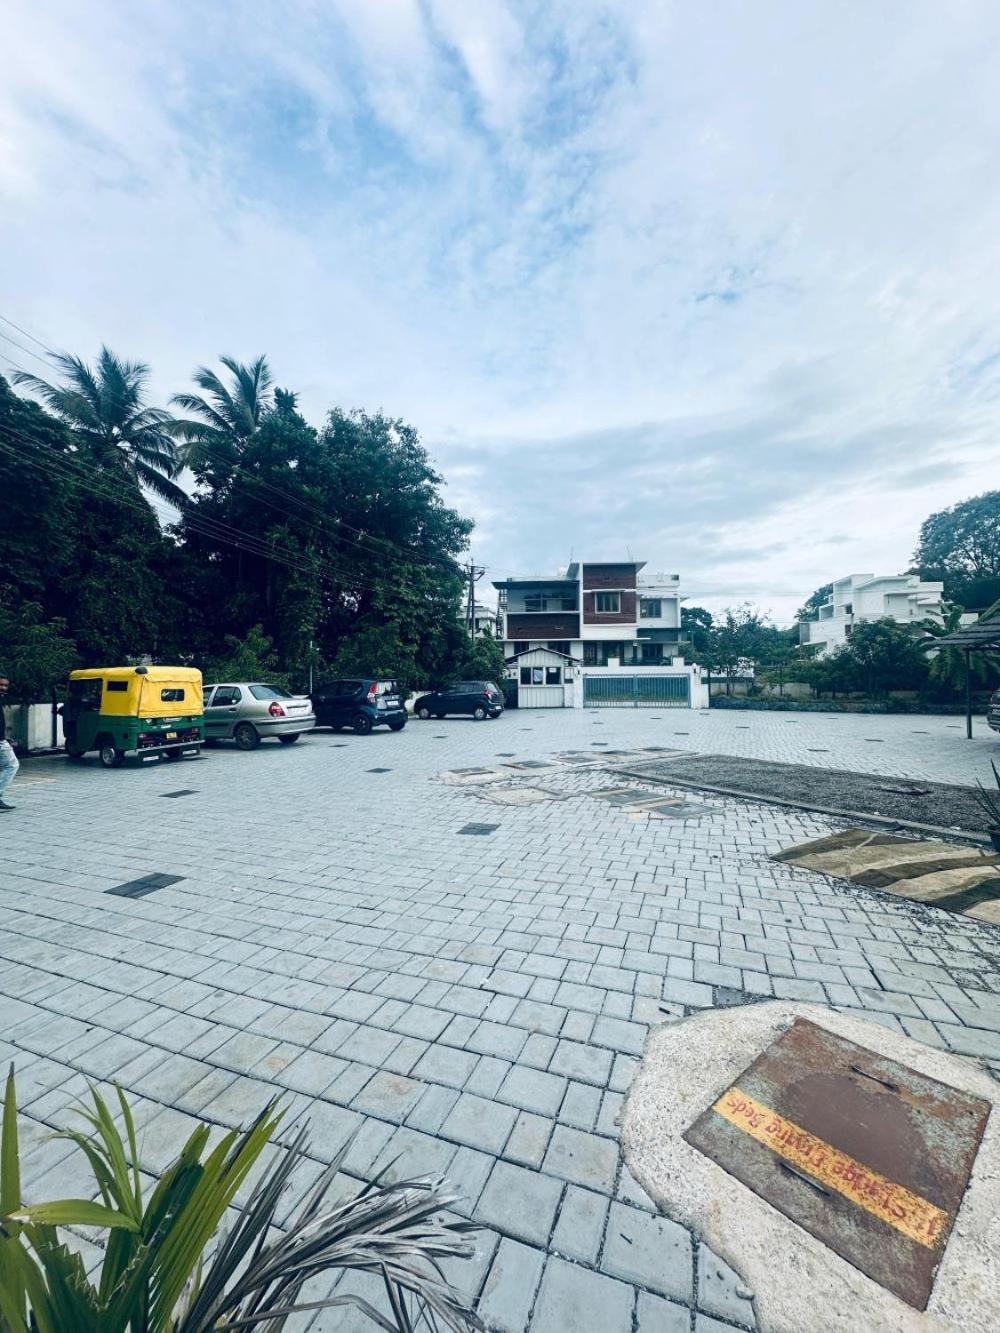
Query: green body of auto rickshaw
[{"x": 142, "y": 713}]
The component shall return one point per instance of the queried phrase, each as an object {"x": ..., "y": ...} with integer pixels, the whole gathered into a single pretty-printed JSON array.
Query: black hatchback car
[
  {"x": 478, "y": 698},
  {"x": 359, "y": 704}
]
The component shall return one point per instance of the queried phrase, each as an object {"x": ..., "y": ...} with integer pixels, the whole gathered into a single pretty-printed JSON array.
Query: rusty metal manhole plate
[{"x": 868, "y": 1156}]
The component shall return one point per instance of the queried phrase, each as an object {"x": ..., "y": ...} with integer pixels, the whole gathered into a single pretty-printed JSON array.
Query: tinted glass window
[
  {"x": 226, "y": 696},
  {"x": 269, "y": 692},
  {"x": 172, "y": 695},
  {"x": 526, "y": 675}
]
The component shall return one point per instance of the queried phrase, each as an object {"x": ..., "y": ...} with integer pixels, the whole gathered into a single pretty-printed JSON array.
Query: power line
[{"x": 442, "y": 561}]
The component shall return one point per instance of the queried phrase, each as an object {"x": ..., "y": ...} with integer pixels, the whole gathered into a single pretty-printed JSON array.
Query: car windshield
[{"x": 269, "y": 692}]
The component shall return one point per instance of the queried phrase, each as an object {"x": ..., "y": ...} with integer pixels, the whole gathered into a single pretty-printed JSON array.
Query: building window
[
  {"x": 553, "y": 675},
  {"x": 652, "y": 652},
  {"x": 650, "y": 608},
  {"x": 608, "y": 603},
  {"x": 534, "y": 602},
  {"x": 568, "y": 603},
  {"x": 526, "y": 675},
  {"x": 521, "y": 646},
  {"x": 559, "y": 646},
  {"x": 590, "y": 654}
]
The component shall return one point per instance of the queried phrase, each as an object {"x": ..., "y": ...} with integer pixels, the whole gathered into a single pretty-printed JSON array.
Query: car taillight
[
  {"x": 276, "y": 710},
  {"x": 372, "y": 691}
]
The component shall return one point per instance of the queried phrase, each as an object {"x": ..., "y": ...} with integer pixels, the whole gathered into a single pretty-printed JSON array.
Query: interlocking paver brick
[
  {"x": 654, "y": 1314},
  {"x": 580, "y": 1226},
  {"x": 533, "y": 1090},
  {"x": 576, "y": 1300},
  {"x": 589, "y": 1064},
  {"x": 479, "y": 1123},
  {"x": 651, "y": 1251},
  {"x": 509, "y": 1291},
  {"x": 720, "y": 1290},
  {"x": 584, "y": 1159},
  {"x": 520, "y": 1202}
]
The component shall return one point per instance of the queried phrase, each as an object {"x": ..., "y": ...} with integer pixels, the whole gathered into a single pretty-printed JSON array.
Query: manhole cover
[
  {"x": 479, "y": 830},
  {"x": 184, "y": 791},
  {"x": 865, "y": 1154},
  {"x": 528, "y": 763},
  {"x": 380, "y": 770}
]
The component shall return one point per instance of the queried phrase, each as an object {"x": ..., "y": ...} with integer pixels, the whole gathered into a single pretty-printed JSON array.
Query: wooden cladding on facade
[
  {"x": 543, "y": 626},
  {"x": 609, "y": 576},
  {"x": 625, "y": 615}
]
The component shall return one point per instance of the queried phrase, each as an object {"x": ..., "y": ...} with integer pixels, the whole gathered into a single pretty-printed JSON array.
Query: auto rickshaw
[{"x": 142, "y": 713}]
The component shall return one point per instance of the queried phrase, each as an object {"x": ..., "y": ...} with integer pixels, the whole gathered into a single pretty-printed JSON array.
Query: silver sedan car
[{"x": 249, "y": 711}]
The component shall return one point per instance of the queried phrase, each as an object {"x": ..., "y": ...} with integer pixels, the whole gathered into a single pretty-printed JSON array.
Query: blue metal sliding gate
[{"x": 639, "y": 691}]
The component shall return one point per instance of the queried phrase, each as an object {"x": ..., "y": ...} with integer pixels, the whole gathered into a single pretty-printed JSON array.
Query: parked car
[
  {"x": 359, "y": 703},
  {"x": 142, "y": 713},
  {"x": 249, "y": 711},
  {"x": 480, "y": 698}
]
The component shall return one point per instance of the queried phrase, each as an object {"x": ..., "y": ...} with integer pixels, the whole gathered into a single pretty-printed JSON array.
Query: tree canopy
[
  {"x": 961, "y": 545},
  {"x": 290, "y": 545}
]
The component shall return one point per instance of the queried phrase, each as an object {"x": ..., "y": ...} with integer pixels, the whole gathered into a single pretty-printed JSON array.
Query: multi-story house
[
  {"x": 484, "y": 618},
  {"x": 599, "y": 613},
  {"x": 905, "y": 598},
  {"x": 602, "y": 632}
]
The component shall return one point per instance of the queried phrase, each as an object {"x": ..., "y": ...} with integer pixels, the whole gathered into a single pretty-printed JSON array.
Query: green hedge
[{"x": 890, "y": 705}]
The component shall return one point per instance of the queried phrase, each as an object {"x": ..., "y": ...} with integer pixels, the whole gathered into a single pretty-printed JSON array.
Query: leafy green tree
[
  {"x": 105, "y": 408},
  {"x": 696, "y": 622},
  {"x": 882, "y": 655},
  {"x": 34, "y": 654},
  {"x": 809, "y": 610},
  {"x": 961, "y": 544},
  {"x": 483, "y": 660},
  {"x": 736, "y": 640},
  {"x": 250, "y": 658}
]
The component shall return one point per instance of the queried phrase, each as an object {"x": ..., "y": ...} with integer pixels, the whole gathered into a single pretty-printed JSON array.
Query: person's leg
[{"x": 8, "y": 768}]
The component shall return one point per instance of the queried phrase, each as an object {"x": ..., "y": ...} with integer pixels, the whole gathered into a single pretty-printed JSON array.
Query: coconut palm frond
[
  {"x": 105, "y": 408},
  {"x": 225, "y": 415}
]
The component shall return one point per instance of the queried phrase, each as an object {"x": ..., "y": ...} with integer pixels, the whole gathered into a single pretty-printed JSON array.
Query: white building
[
  {"x": 484, "y": 618},
  {"x": 905, "y": 598},
  {"x": 594, "y": 623}
]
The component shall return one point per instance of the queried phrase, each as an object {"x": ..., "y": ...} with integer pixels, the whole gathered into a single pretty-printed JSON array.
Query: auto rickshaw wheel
[
  {"x": 74, "y": 754},
  {"x": 110, "y": 756},
  {"x": 246, "y": 736}
]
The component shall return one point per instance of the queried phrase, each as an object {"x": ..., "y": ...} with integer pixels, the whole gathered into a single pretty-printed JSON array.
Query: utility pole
[{"x": 474, "y": 573}]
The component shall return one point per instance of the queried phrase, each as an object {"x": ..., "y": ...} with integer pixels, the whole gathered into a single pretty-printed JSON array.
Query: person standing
[{"x": 8, "y": 759}]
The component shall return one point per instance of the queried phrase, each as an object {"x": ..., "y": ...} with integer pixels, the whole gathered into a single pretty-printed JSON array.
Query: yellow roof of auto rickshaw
[{"x": 151, "y": 673}]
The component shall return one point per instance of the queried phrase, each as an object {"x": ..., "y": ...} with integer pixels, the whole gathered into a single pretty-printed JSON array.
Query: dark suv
[
  {"x": 480, "y": 698},
  {"x": 359, "y": 704}
]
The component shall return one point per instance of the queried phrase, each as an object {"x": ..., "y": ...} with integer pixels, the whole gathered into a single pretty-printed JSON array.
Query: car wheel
[
  {"x": 397, "y": 726},
  {"x": 362, "y": 724},
  {"x": 290, "y": 740},
  {"x": 479, "y": 713},
  {"x": 424, "y": 714},
  {"x": 110, "y": 756},
  {"x": 246, "y": 736}
]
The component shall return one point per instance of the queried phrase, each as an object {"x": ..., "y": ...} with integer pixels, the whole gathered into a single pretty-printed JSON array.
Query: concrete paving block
[
  {"x": 529, "y": 1139},
  {"x": 721, "y": 1291},
  {"x": 583, "y": 1159},
  {"x": 479, "y": 1123},
  {"x": 509, "y": 1291},
  {"x": 519, "y": 1202},
  {"x": 575, "y": 1300},
  {"x": 652, "y": 1252},
  {"x": 580, "y": 1225},
  {"x": 533, "y": 1090}
]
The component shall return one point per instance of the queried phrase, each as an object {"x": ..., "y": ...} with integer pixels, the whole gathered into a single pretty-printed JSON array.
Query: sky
[{"x": 711, "y": 285}]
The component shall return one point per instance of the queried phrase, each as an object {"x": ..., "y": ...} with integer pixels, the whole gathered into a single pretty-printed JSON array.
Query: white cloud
[{"x": 717, "y": 283}]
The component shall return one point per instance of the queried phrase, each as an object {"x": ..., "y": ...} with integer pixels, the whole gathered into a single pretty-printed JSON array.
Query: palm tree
[
  {"x": 227, "y": 416},
  {"x": 105, "y": 408}
]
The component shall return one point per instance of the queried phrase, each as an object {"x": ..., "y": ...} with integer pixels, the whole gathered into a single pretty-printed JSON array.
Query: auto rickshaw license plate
[{"x": 171, "y": 735}]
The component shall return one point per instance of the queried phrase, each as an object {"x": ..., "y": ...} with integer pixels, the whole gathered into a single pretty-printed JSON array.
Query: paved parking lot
[{"x": 474, "y": 1002}]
